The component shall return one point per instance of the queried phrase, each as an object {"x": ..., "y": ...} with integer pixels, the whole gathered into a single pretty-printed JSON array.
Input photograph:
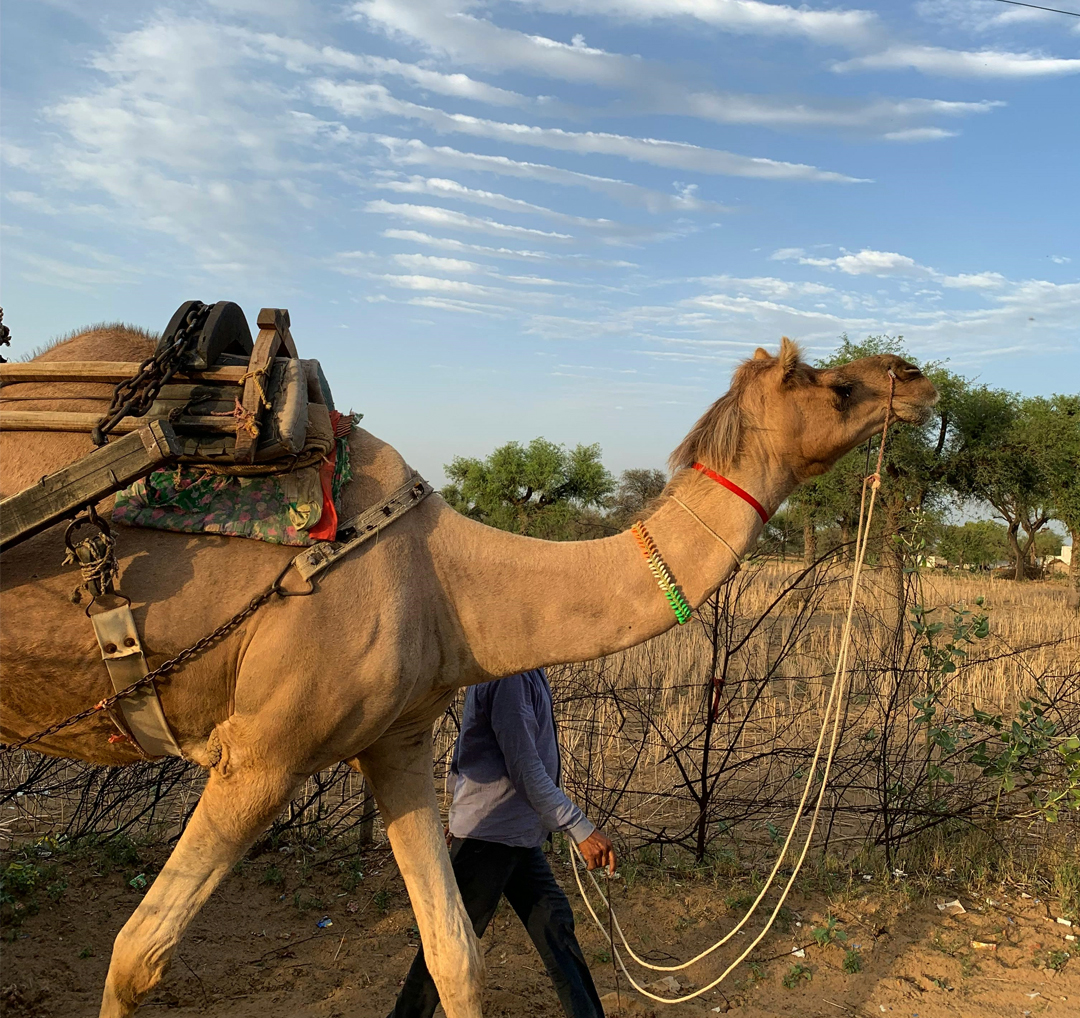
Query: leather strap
[
  {"x": 122, "y": 652},
  {"x": 361, "y": 528},
  {"x": 734, "y": 488}
]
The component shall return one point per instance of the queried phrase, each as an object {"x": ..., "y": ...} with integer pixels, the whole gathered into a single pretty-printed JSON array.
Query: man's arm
[{"x": 514, "y": 722}]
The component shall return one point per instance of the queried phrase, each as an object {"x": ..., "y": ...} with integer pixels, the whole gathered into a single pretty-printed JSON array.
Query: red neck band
[{"x": 735, "y": 489}]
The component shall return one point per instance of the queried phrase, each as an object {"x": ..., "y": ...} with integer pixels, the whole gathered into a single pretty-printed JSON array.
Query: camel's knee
[
  {"x": 138, "y": 964},
  {"x": 457, "y": 966}
]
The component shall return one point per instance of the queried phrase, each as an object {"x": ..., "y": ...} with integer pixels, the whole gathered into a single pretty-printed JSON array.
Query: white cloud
[
  {"x": 434, "y": 262},
  {"x": 739, "y": 16},
  {"x": 920, "y": 134},
  {"x": 871, "y": 263},
  {"x": 980, "y": 16},
  {"x": 975, "y": 281},
  {"x": 413, "y": 152},
  {"x": 432, "y": 215},
  {"x": 360, "y": 100},
  {"x": 298, "y": 55},
  {"x": 448, "y": 30},
  {"x": 770, "y": 285},
  {"x": 1060, "y": 259},
  {"x": 962, "y": 63},
  {"x": 505, "y": 253},
  {"x": 861, "y": 116},
  {"x": 605, "y": 229}
]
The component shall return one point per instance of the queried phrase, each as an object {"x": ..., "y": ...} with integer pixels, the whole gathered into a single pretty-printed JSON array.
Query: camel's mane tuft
[
  {"x": 717, "y": 436},
  {"x": 716, "y": 439}
]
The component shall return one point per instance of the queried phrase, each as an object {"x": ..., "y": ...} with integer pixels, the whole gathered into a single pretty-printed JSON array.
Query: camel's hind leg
[
  {"x": 240, "y": 800},
  {"x": 399, "y": 767}
]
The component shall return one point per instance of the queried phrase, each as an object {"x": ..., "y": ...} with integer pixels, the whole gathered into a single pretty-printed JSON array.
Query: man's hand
[{"x": 598, "y": 851}]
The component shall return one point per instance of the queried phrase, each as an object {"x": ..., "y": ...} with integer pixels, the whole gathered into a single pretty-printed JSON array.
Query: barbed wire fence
[{"x": 696, "y": 742}]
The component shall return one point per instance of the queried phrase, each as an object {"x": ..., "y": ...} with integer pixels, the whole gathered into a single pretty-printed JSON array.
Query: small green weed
[
  {"x": 352, "y": 875},
  {"x": 86, "y": 952},
  {"x": 272, "y": 876},
  {"x": 382, "y": 901},
  {"x": 1057, "y": 960},
  {"x": 796, "y": 974},
  {"x": 830, "y": 933},
  {"x": 852, "y": 961}
]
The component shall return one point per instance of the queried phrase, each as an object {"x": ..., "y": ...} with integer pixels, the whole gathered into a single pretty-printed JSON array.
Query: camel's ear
[
  {"x": 761, "y": 354},
  {"x": 789, "y": 357}
]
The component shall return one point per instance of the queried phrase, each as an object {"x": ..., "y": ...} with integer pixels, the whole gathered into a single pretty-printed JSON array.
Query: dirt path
[{"x": 257, "y": 950}]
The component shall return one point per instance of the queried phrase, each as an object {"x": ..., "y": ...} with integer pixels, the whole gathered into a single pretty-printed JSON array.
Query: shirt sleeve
[{"x": 514, "y": 723}]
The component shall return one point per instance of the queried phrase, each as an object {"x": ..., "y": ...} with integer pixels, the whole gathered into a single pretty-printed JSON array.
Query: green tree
[
  {"x": 1058, "y": 421},
  {"x": 976, "y": 543},
  {"x": 637, "y": 488},
  {"x": 539, "y": 489},
  {"x": 1001, "y": 458},
  {"x": 781, "y": 534}
]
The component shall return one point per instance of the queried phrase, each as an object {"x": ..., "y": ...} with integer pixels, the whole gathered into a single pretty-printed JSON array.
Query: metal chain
[
  {"x": 135, "y": 395},
  {"x": 163, "y": 669}
]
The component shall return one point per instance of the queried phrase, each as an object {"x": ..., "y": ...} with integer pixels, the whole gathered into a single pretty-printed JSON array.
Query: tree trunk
[
  {"x": 892, "y": 553},
  {"x": 845, "y": 538},
  {"x": 1072, "y": 594},
  {"x": 809, "y": 535},
  {"x": 1019, "y": 573}
]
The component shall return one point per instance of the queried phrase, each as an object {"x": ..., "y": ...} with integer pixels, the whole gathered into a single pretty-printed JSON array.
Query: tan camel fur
[{"x": 360, "y": 670}]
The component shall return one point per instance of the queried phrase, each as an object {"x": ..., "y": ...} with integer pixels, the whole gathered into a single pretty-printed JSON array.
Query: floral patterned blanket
[{"x": 297, "y": 508}]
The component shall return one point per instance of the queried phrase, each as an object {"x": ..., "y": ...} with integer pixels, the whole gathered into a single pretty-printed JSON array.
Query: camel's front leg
[
  {"x": 399, "y": 767},
  {"x": 243, "y": 795}
]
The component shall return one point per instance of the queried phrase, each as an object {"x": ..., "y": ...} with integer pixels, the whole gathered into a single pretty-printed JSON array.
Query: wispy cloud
[
  {"x": 437, "y": 187},
  {"x": 920, "y": 134},
  {"x": 369, "y": 101},
  {"x": 504, "y": 253},
  {"x": 413, "y": 152},
  {"x": 962, "y": 63},
  {"x": 433, "y": 215}
]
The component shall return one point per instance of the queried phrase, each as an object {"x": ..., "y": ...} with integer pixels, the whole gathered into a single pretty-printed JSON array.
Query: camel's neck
[{"x": 524, "y": 603}]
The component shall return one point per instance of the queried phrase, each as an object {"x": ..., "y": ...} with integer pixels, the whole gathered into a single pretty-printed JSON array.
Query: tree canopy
[{"x": 536, "y": 489}]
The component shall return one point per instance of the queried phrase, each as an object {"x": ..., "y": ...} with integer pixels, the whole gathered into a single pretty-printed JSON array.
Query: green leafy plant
[
  {"x": 796, "y": 974},
  {"x": 852, "y": 961},
  {"x": 830, "y": 933}
]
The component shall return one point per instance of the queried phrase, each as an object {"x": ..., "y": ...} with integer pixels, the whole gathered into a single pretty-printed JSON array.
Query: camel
[{"x": 360, "y": 670}]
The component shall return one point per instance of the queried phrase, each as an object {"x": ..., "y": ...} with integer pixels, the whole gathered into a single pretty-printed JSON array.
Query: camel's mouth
[{"x": 915, "y": 411}]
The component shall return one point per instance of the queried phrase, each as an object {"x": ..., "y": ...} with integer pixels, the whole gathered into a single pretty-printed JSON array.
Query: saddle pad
[{"x": 295, "y": 508}]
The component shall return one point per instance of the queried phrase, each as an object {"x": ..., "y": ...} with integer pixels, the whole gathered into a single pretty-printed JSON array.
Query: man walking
[{"x": 505, "y": 774}]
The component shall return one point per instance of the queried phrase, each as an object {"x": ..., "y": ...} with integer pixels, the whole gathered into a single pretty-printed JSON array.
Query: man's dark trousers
[{"x": 485, "y": 871}]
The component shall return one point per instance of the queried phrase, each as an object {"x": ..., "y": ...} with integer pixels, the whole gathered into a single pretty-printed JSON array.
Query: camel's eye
[{"x": 843, "y": 392}]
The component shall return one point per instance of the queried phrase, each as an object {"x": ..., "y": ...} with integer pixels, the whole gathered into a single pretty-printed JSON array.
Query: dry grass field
[{"x": 692, "y": 751}]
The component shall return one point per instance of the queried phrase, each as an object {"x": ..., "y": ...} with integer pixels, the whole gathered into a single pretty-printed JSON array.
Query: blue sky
[{"x": 567, "y": 218}]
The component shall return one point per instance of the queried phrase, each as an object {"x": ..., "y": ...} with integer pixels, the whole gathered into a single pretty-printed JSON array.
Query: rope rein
[{"x": 833, "y": 714}]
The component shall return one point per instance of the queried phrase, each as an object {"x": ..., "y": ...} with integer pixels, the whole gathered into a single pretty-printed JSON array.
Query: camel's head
[{"x": 806, "y": 417}]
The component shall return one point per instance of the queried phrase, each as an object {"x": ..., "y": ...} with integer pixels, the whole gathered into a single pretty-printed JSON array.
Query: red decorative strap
[{"x": 735, "y": 489}]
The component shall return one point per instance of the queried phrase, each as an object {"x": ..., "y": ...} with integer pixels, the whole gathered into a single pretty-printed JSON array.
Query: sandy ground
[{"x": 257, "y": 951}]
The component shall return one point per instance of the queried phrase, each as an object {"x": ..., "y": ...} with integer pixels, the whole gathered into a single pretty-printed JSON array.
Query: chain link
[{"x": 134, "y": 396}]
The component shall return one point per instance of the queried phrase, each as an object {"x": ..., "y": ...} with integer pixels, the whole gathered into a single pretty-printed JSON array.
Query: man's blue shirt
[{"x": 505, "y": 768}]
